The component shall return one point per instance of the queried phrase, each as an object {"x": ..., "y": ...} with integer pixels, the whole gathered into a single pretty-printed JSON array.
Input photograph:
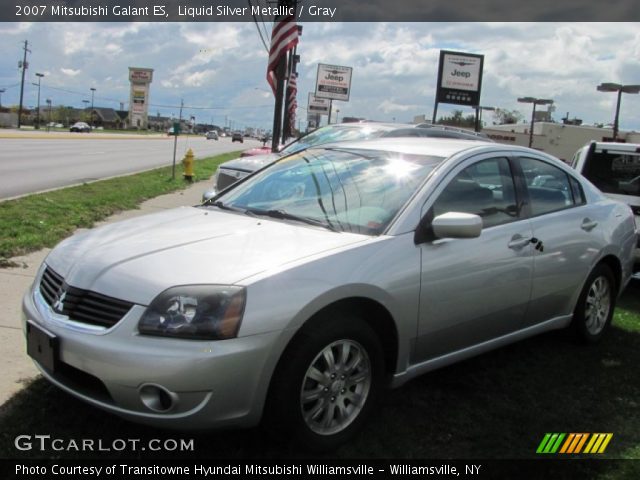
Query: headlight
[{"x": 201, "y": 312}]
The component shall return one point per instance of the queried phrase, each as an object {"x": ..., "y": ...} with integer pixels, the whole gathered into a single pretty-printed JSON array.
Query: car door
[
  {"x": 567, "y": 238},
  {"x": 476, "y": 289}
]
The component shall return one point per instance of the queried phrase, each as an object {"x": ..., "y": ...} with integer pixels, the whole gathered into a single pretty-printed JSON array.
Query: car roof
[
  {"x": 435, "y": 146},
  {"x": 370, "y": 124},
  {"x": 435, "y": 132},
  {"x": 617, "y": 147}
]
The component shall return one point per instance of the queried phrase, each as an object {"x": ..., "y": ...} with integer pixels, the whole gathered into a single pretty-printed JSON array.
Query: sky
[{"x": 219, "y": 69}]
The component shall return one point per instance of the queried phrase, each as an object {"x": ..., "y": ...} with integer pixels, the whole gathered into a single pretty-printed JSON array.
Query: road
[{"x": 35, "y": 162}]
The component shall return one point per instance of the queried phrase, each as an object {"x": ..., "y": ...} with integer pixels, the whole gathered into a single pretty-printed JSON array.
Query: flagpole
[
  {"x": 284, "y": 37},
  {"x": 277, "y": 110}
]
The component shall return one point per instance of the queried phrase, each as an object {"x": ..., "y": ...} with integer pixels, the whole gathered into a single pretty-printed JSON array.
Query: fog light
[{"x": 158, "y": 398}]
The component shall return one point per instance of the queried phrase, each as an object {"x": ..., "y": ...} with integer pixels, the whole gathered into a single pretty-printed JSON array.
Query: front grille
[
  {"x": 226, "y": 179},
  {"x": 81, "y": 305}
]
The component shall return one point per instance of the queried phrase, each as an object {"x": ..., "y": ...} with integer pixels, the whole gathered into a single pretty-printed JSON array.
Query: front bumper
[{"x": 207, "y": 384}]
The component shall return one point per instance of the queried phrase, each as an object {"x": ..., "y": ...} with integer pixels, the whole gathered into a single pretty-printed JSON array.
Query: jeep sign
[
  {"x": 333, "y": 82},
  {"x": 459, "y": 78},
  {"x": 317, "y": 105}
]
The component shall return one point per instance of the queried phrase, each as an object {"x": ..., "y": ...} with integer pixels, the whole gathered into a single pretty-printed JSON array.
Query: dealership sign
[
  {"x": 317, "y": 105},
  {"x": 333, "y": 82},
  {"x": 140, "y": 80},
  {"x": 459, "y": 78}
]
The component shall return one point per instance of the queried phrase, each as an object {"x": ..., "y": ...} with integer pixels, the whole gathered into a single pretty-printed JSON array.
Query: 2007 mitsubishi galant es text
[{"x": 299, "y": 293}]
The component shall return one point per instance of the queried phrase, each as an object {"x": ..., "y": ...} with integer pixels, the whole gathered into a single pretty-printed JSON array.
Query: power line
[
  {"x": 255, "y": 21},
  {"x": 264, "y": 25},
  {"x": 209, "y": 108}
]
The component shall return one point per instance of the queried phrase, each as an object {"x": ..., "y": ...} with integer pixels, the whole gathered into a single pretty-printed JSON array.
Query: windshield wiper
[
  {"x": 231, "y": 208},
  {"x": 283, "y": 215}
]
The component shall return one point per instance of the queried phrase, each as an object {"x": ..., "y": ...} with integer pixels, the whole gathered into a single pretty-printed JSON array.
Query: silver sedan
[{"x": 298, "y": 294}]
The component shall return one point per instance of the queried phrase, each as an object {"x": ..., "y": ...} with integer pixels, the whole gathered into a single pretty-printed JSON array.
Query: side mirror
[
  {"x": 208, "y": 195},
  {"x": 457, "y": 225}
]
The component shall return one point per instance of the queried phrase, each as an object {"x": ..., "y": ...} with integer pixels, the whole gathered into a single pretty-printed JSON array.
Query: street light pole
[
  {"x": 93, "y": 90},
  {"x": 39, "y": 75},
  {"x": 479, "y": 110},
  {"x": 49, "y": 107},
  {"x": 534, "y": 101},
  {"x": 86, "y": 103},
  {"x": 2, "y": 90},
  {"x": 616, "y": 87}
]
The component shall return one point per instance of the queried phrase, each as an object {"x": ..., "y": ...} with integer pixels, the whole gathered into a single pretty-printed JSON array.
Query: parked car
[
  {"x": 80, "y": 127},
  {"x": 615, "y": 169},
  {"x": 301, "y": 292},
  {"x": 438, "y": 131},
  {"x": 212, "y": 135},
  {"x": 237, "y": 137},
  {"x": 236, "y": 169}
]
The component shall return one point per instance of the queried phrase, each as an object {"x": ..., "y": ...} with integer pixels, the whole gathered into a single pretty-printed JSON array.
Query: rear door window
[
  {"x": 549, "y": 187},
  {"x": 617, "y": 173}
]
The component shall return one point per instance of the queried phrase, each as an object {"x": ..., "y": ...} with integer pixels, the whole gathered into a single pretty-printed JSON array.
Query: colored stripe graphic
[
  {"x": 550, "y": 443},
  {"x": 598, "y": 442},
  {"x": 574, "y": 443}
]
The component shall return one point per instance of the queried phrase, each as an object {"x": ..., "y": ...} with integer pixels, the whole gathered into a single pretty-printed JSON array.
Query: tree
[
  {"x": 456, "y": 119},
  {"x": 505, "y": 117}
]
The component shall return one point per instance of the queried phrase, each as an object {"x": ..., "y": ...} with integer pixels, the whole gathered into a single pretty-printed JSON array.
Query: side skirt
[{"x": 453, "y": 357}]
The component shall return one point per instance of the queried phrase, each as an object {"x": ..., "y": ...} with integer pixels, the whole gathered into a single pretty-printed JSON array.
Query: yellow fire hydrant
[{"x": 187, "y": 161}]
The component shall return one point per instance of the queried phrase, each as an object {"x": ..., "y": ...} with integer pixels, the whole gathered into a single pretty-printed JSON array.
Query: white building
[{"x": 557, "y": 139}]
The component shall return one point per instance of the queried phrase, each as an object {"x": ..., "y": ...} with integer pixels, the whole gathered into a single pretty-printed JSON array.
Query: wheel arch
[
  {"x": 377, "y": 317},
  {"x": 372, "y": 312},
  {"x": 615, "y": 266}
]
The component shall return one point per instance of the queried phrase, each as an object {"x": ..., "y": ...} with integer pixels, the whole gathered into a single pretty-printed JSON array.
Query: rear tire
[
  {"x": 594, "y": 310},
  {"x": 327, "y": 382}
]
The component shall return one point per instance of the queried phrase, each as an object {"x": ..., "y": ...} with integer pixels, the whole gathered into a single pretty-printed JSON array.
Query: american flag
[
  {"x": 284, "y": 36},
  {"x": 292, "y": 90}
]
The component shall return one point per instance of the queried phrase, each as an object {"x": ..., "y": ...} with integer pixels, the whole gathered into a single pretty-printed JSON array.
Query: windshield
[
  {"x": 617, "y": 173},
  {"x": 357, "y": 191},
  {"x": 334, "y": 133}
]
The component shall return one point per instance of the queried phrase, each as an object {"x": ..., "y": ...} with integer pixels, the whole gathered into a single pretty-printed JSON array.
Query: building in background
[{"x": 557, "y": 139}]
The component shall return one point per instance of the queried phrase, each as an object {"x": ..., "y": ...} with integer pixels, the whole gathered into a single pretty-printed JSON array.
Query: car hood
[
  {"x": 256, "y": 151},
  {"x": 136, "y": 259},
  {"x": 250, "y": 164}
]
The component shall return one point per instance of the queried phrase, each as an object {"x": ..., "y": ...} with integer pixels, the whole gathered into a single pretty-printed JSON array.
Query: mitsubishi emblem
[{"x": 58, "y": 304}]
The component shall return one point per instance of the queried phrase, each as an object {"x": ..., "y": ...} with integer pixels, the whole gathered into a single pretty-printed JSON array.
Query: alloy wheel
[{"x": 335, "y": 387}]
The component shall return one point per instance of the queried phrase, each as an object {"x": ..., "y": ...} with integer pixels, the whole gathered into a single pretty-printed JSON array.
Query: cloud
[
  {"x": 70, "y": 72},
  {"x": 198, "y": 79},
  {"x": 219, "y": 65}
]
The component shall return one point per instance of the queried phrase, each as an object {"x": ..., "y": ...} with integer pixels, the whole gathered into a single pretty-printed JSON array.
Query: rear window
[{"x": 615, "y": 173}]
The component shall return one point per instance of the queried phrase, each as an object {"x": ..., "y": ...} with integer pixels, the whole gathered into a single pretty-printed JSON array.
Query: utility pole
[{"x": 24, "y": 65}]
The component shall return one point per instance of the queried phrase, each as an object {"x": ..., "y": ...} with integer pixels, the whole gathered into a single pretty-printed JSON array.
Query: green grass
[
  {"x": 37, "y": 221},
  {"x": 495, "y": 406}
]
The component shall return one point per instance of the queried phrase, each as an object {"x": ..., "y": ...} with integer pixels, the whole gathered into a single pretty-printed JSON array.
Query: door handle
[
  {"x": 518, "y": 241},
  {"x": 588, "y": 225}
]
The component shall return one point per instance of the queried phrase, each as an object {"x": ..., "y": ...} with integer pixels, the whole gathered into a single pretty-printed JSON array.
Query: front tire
[
  {"x": 594, "y": 311},
  {"x": 326, "y": 383}
]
